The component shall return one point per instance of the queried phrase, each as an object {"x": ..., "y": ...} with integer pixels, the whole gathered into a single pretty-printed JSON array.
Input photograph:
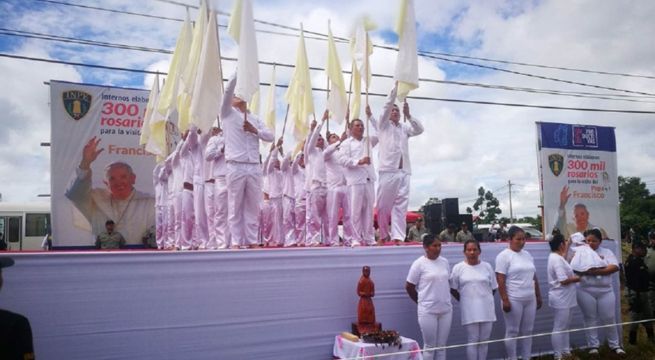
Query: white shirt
[
  {"x": 393, "y": 146},
  {"x": 298, "y": 179},
  {"x": 315, "y": 172},
  {"x": 475, "y": 284},
  {"x": 240, "y": 145},
  {"x": 519, "y": 269},
  {"x": 431, "y": 280},
  {"x": 350, "y": 152},
  {"x": 275, "y": 176},
  {"x": 560, "y": 296},
  {"x": 333, "y": 170},
  {"x": 215, "y": 155},
  {"x": 600, "y": 282},
  {"x": 288, "y": 188}
]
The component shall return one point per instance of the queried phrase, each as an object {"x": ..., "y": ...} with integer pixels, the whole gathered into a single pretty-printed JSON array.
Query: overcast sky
[{"x": 465, "y": 146}]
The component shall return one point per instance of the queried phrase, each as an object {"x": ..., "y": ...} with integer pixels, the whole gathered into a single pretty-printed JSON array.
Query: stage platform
[{"x": 232, "y": 304}]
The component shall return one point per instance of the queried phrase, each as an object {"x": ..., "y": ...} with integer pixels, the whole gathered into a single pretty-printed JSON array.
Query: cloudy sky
[{"x": 465, "y": 146}]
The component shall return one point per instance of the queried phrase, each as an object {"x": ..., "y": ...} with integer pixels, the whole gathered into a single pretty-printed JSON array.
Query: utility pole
[{"x": 511, "y": 213}]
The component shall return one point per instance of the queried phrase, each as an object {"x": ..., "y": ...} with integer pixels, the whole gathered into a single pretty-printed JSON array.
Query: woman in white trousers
[
  {"x": 473, "y": 284},
  {"x": 561, "y": 295},
  {"x": 519, "y": 293},
  {"x": 427, "y": 285},
  {"x": 596, "y": 296}
]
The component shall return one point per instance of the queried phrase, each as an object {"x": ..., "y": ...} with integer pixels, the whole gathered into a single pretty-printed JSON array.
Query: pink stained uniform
[
  {"x": 360, "y": 181},
  {"x": 176, "y": 193},
  {"x": 275, "y": 196},
  {"x": 216, "y": 195},
  {"x": 394, "y": 170},
  {"x": 288, "y": 203},
  {"x": 201, "y": 235},
  {"x": 244, "y": 173},
  {"x": 300, "y": 210},
  {"x": 317, "y": 222},
  {"x": 188, "y": 216},
  {"x": 161, "y": 200},
  {"x": 265, "y": 217},
  {"x": 337, "y": 198}
]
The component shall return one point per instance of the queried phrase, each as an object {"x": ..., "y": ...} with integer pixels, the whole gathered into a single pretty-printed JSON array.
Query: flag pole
[
  {"x": 350, "y": 92},
  {"x": 284, "y": 127},
  {"x": 327, "y": 94},
  {"x": 368, "y": 133}
]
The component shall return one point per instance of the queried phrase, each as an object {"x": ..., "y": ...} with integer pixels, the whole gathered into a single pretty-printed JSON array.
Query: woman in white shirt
[
  {"x": 561, "y": 295},
  {"x": 473, "y": 284},
  {"x": 519, "y": 293},
  {"x": 427, "y": 285},
  {"x": 596, "y": 296}
]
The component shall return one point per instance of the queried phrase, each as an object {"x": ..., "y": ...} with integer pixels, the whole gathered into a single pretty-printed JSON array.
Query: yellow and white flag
[
  {"x": 168, "y": 96},
  {"x": 187, "y": 80},
  {"x": 407, "y": 62},
  {"x": 153, "y": 98},
  {"x": 299, "y": 94},
  {"x": 337, "y": 103},
  {"x": 242, "y": 30},
  {"x": 360, "y": 49},
  {"x": 207, "y": 91},
  {"x": 269, "y": 115}
]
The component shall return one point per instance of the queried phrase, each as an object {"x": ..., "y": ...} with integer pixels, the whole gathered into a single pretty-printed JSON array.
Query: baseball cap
[{"x": 6, "y": 261}]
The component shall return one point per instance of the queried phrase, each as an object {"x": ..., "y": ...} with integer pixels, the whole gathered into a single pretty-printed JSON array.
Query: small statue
[{"x": 365, "y": 309}]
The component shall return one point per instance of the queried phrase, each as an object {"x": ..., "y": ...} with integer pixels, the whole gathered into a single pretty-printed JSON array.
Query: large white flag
[
  {"x": 299, "y": 93},
  {"x": 153, "y": 98},
  {"x": 189, "y": 74},
  {"x": 168, "y": 97},
  {"x": 269, "y": 116},
  {"x": 207, "y": 91},
  {"x": 360, "y": 50},
  {"x": 407, "y": 62},
  {"x": 337, "y": 103},
  {"x": 247, "y": 59}
]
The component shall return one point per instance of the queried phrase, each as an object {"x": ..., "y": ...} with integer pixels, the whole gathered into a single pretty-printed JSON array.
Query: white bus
[{"x": 24, "y": 225}]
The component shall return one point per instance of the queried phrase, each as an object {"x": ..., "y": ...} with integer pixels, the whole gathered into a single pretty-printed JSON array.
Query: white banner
[
  {"x": 579, "y": 180},
  {"x": 98, "y": 170}
]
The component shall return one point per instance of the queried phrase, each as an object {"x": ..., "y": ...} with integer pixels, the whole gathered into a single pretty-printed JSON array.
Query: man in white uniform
[
  {"x": 288, "y": 203},
  {"x": 337, "y": 194},
  {"x": 216, "y": 192},
  {"x": 300, "y": 210},
  {"x": 316, "y": 201},
  {"x": 354, "y": 155},
  {"x": 243, "y": 131},
  {"x": 394, "y": 168},
  {"x": 132, "y": 211}
]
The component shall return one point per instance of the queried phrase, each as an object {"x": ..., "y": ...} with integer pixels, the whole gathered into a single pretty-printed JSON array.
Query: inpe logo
[
  {"x": 77, "y": 103},
  {"x": 585, "y": 136}
]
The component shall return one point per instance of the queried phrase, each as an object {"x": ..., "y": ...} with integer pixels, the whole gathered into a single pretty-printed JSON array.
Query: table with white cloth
[{"x": 346, "y": 349}]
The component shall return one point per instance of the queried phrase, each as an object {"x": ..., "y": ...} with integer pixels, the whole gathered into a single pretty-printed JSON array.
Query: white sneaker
[
  {"x": 593, "y": 352},
  {"x": 619, "y": 351}
]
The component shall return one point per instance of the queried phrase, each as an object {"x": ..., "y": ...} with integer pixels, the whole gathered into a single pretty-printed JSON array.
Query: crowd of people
[
  {"x": 214, "y": 192},
  {"x": 579, "y": 274}
]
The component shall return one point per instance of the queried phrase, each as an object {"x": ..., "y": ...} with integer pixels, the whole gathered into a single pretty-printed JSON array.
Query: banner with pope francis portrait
[
  {"x": 99, "y": 171},
  {"x": 579, "y": 180}
]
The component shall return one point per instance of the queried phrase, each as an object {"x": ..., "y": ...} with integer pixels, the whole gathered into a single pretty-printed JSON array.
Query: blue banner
[{"x": 576, "y": 137}]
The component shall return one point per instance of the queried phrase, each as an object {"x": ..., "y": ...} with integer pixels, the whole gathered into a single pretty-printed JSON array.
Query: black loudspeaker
[
  {"x": 452, "y": 219},
  {"x": 450, "y": 207},
  {"x": 433, "y": 218},
  {"x": 466, "y": 218}
]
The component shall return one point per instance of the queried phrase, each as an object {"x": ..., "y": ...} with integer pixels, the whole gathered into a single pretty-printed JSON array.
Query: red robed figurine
[{"x": 365, "y": 309}]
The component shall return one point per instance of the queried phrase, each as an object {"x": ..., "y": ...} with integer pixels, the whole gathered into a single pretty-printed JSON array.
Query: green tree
[
  {"x": 486, "y": 206},
  {"x": 637, "y": 206}
]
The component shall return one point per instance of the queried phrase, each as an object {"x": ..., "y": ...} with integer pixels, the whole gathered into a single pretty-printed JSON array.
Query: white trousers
[
  {"x": 392, "y": 202},
  {"x": 266, "y": 221},
  {"x": 520, "y": 322},
  {"x": 169, "y": 241},
  {"x": 277, "y": 229},
  {"x": 200, "y": 235},
  {"x": 300, "y": 212},
  {"x": 435, "y": 329},
  {"x": 187, "y": 220},
  {"x": 289, "y": 221},
  {"x": 361, "y": 198},
  {"x": 480, "y": 331},
  {"x": 244, "y": 197},
  {"x": 160, "y": 224},
  {"x": 595, "y": 305},
  {"x": 337, "y": 198},
  {"x": 561, "y": 322},
  {"x": 178, "y": 219},
  {"x": 317, "y": 217}
]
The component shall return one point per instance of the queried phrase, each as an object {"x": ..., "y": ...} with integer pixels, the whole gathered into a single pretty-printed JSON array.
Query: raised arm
[
  {"x": 386, "y": 111},
  {"x": 415, "y": 127},
  {"x": 226, "y": 106}
]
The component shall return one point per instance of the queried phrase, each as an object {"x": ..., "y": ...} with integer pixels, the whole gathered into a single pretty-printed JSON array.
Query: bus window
[
  {"x": 13, "y": 229},
  {"x": 36, "y": 224}
]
